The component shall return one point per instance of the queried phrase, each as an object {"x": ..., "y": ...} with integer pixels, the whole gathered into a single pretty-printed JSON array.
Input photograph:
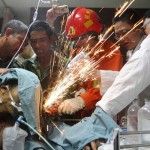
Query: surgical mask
[{"x": 13, "y": 103}]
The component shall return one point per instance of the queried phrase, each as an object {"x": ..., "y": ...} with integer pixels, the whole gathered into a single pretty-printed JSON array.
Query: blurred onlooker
[
  {"x": 44, "y": 63},
  {"x": 10, "y": 40},
  {"x": 122, "y": 25},
  {"x": 27, "y": 53}
]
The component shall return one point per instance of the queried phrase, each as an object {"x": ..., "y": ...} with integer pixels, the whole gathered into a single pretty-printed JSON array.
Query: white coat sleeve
[
  {"x": 133, "y": 78},
  {"x": 107, "y": 79}
]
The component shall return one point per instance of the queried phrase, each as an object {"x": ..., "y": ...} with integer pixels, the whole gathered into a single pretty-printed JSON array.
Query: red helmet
[{"x": 81, "y": 21}]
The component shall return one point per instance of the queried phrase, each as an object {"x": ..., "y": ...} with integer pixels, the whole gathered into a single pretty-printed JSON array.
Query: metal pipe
[
  {"x": 135, "y": 132},
  {"x": 117, "y": 145},
  {"x": 135, "y": 145}
]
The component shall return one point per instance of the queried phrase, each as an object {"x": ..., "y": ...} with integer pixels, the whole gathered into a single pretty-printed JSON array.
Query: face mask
[{"x": 13, "y": 103}]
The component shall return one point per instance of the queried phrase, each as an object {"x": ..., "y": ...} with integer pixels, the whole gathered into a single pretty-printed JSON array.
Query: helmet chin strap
[{"x": 13, "y": 103}]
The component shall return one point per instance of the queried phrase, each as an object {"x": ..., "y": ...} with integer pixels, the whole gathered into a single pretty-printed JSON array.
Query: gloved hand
[
  {"x": 82, "y": 90},
  {"x": 53, "y": 108},
  {"x": 70, "y": 106}
]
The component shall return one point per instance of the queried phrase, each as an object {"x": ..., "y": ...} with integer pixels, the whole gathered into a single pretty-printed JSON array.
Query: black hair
[
  {"x": 12, "y": 83},
  {"x": 147, "y": 14},
  {"x": 16, "y": 26},
  {"x": 130, "y": 16},
  {"x": 40, "y": 25}
]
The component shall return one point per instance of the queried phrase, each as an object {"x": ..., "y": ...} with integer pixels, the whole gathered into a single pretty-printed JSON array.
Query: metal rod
[
  {"x": 135, "y": 132},
  {"x": 116, "y": 139},
  {"x": 117, "y": 145},
  {"x": 135, "y": 145}
]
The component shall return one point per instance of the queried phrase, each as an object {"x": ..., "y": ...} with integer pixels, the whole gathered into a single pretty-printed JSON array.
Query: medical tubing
[
  {"x": 22, "y": 121},
  {"x": 36, "y": 11},
  {"x": 35, "y": 15}
]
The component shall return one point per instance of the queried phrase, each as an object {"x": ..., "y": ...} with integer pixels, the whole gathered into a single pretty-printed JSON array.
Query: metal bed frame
[{"x": 119, "y": 133}]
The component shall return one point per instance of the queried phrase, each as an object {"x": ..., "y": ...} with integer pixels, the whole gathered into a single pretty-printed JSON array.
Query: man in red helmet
[{"x": 81, "y": 24}]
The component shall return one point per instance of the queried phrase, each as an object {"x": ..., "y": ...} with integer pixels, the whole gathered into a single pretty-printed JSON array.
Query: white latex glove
[
  {"x": 52, "y": 15},
  {"x": 82, "y": 90},
  {"x": 70, "y": 106}
]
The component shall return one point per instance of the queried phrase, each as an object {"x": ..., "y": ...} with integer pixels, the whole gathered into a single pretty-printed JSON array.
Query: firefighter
[{"x": 81, "y": 24}]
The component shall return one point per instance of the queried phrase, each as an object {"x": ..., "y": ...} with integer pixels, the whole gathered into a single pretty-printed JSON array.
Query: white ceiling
[{"x": 21, "y": 8}]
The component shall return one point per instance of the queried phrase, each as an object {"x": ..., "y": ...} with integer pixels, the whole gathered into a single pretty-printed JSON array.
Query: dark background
[
  {"x": 1, "y": 22},
  {"x": 105, "y": 14}
]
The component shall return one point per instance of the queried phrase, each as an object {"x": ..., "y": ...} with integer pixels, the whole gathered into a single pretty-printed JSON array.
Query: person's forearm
[{"x": 132, "y": 80}]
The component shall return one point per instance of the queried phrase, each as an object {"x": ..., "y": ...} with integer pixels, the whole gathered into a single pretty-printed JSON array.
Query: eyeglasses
[{"x": 121, "y": 33}]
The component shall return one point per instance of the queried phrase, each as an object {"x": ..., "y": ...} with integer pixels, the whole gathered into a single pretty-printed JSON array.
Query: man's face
[
  {"x": 86, "y": 41},
  {"x": 132, "y": 39},
  {"x": 6, "y": 106},
  {"x": 40, "y": 43},
  {"x": 13, "y": 42}
]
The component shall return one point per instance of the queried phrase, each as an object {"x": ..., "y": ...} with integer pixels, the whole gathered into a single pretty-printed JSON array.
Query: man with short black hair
[
  {"x": 41, "y": 37},
  {"x": 10, "y": 40}
]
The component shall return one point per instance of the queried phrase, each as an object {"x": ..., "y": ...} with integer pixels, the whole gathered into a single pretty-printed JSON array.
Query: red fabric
[
  {"x": 91, "y": 97},
  {"x": 114, "y": 62}
]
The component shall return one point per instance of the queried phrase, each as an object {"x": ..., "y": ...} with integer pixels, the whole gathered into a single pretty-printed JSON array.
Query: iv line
[{"x": 24, "y": 122}]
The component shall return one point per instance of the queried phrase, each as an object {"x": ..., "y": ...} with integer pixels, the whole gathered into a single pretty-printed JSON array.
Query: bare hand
[
  {"x": 3, "y": 71},
  {"x": 52, "y": 15}
]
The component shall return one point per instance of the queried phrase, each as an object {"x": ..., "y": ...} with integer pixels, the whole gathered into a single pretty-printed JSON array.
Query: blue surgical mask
[{"x": 13, "y": 103}]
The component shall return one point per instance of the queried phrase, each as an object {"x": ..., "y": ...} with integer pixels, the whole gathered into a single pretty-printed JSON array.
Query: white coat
[{"x": 132, "y": 80}]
